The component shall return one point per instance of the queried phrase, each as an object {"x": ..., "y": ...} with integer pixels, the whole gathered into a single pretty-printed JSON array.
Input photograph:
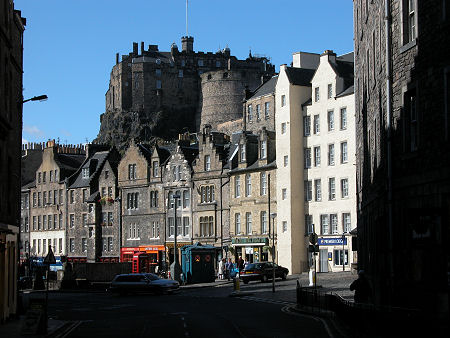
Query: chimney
[
  {"x": 330, "y": 55},
  {"x": 135, "y": 48},
  {"x": 117, "y": 58},
  {"x": 187, "y": 43},
  {"x": 142, "y": 48}
]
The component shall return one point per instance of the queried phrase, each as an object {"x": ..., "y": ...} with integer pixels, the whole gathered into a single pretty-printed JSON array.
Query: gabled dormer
[
  {"x": 134, "y": 166},
  {"x": 266, "y": 146},
  {"x": 247, "y": 149}
]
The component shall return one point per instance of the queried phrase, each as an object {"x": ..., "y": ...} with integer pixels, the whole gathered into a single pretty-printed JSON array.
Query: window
[
  {"x": 83, "y": 244},
  {"x": 50, "y": 197},
  {"x": 134, "y": 231},
  {"x": 324, "y": 226},
  {"x": 155, "y": 230},
  {"x": 218, "y": 64},
  {"x": 318, "y": 190},
  {"x": 237, "y": 186},
  {"x": 72, "y": 244},
  {"x": 50, "y": 222},
  {"x": 331, "y": 120},
  {"x": 285, "y": 160},
  {"x": 39, "y": 177},
  {"x": 237, "y": 223},
  {"x": 186, "y": 226},
  {"x": 207, "y": 162},
  {"x": 200, "y": 62},
  {"x": 55, "y": 195},
  {"x": 34, "y": 222},
  {"x": 307, "y": 125},
  {"x": 248, "y": 185},
  {"x": 44, "y": 222},
  {"x": 242, "y": 152},
  {"x": 110, "y": 218},
  {"x": 330, "y": 90},
  {"x": 44, "y": 175},
  {"x": 45, "y": 198},
  {"x": 263, "y": 179},
  {"x": 56, "y": 175},
  {"x": 346, "y": 224},
  {"x": 248, "y": 223},
  {"x": 72, "y": 196},
  {"x": 60, "y": 221},
  {"x": 409, "y": 26},
  {"x": 84, "y": 192},
  {"x": 340, "y": 256},
  {"x": 263, "y": 150},
  {"x": 132, "y": 171},
  {"x": 316, "y": 124},
  {"x": 206, "y": 226},
  {"x": 61, "y": 196},
  {"x": 155, "y": 168},
  {"x": 283, "y": 128},
  {"x": 55, "y": 221},
  {"x": 267, "y": 110},
  {"x": 283, "y": 100},
  {"x": 110, "y": 244},
  {"x": 158, "y": 84},
  {"x": 308, "y": 190},
  {"x": 71, "y": 220},
  {"x": 317, "y": 156},
  {"x": 331, "y": 189},
  {"x": 316, "y": 94},
  {"x": 283, "y": 194},
  {"x": 344, "y": 152},
  {"x": 258, "y": 112},
  {"x": 51, "y": 175},
  {"x": 34, "y": 200},
  {"x": 344, "y": 188},
  {"x": 180, "y": 73},
  {"x": 132, "y": 200},
  {"x": 171, "y": 227},
  {"x": 307, "y": 158},
  {"x": 331, "y": 154},
  {"x": 250, "y": 113},
  {"x": 85, "y": 173},
  {"x": 284, "y": 226},
  {"x": 309, "y": 224},
  {"x": 264, "y": 227},
  {"x": 39, "y": 199},
  {"x": 60, "y": 245},
  {"x": 413, "y": 120},
  {"x": 334, "y": 223},
  {"x": 186, "y": 198},
  {"x": 343, "y": 118},
  {"x": 207, "y": 194}
]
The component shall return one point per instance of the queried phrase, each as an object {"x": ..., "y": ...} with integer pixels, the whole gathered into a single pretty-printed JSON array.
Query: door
[{"x": 323, "y": 260}]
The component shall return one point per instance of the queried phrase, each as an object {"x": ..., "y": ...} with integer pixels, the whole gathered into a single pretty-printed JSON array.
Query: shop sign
[
  {"x": 152, "y": 248},
  {"x": 332, "y": 241},
  {"x": 253, "y": 240}
]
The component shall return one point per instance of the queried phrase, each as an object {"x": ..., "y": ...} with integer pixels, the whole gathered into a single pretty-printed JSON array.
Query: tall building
[
  {"x": 402, "y": 81},
  {"x": 12, "y": 26}
]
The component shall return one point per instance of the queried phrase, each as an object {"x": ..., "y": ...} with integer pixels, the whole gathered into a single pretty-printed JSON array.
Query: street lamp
[
  {"x": 36, "y": 98},
  {"x": 343, "y": 251},
  {"x": 272, "y": 216},
  {"x": 175, "y": 267}
]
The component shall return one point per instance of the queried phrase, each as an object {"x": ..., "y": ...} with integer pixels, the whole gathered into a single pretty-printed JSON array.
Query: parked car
[
  {"x": 263, "y": 271},
  {"x": 25, "y": 282},
  {"x": 142, "y": 282}
]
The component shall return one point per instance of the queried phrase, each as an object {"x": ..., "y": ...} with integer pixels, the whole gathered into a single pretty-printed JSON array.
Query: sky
[{"x": 70, "y": 46}]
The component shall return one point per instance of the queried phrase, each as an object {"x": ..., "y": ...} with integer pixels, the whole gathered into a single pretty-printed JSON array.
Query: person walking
[
  {"x": 361, "y": 287},
  {"x": 240, "y": 264},
  {"x": 229, "y": 268},
  {"x": 221, "y": 268}
]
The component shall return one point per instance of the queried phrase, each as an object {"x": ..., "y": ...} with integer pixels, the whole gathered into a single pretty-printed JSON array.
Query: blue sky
[{"x": 70, "y": 46}]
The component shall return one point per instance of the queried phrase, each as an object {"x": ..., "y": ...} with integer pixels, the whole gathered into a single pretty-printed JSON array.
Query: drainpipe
[{"x": 388, "y": 23}]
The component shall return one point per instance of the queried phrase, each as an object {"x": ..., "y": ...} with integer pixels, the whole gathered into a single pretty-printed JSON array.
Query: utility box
[{"x": 197, "y": 263}]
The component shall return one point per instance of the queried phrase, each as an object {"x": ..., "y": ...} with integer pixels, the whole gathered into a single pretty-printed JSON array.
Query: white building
[
  {"x": 310, "y": 98},
  {"x": 329, "y": 160}
]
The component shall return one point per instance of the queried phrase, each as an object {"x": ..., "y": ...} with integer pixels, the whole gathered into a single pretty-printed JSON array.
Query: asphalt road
[{"x": 205, "y": 312}]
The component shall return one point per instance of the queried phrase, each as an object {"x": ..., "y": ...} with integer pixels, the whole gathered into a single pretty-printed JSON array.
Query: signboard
[
  {"x": 313, "y": 248},
  {"x": 253, "y": 240},
  {"x": 330, "y": 256},
  {"x": 313, "y": 238},
  {"x": 50, "y": 258},
  {"x": 332, "y": 241}
]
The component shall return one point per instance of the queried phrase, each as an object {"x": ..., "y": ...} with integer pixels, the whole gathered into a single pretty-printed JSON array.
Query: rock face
[{"x": 158, "y": 94}]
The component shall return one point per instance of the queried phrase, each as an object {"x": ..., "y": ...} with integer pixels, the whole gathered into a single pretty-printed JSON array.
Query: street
[{"x": 196, "y": 312}]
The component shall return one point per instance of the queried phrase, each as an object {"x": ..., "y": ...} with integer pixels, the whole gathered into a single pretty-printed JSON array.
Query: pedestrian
[
  {"x": 229, "y": 268},
  {"x": 240, "y": 264},
  {"x": 221, "y": 267},
  {"x": 361, "y": 287}
]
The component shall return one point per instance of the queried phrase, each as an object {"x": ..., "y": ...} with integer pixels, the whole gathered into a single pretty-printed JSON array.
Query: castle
[{"x": 155, "y": 93}]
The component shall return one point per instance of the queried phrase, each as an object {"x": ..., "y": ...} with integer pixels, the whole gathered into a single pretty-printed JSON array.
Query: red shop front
[{"x": 144, "y": 258}]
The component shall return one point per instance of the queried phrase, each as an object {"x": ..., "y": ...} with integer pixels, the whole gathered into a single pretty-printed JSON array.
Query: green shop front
[{"x": 252, "y": 249}]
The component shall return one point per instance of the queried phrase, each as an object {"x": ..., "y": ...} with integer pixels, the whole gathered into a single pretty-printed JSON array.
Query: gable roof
[
  {"x": 266, "y": 88},
  {"x": 300, "y": 76}
]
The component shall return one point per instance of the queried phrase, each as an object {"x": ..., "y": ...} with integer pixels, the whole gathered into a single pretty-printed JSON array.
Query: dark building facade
[
  {"x": 12, "y": 26},
  {"x": 402, "y": 81}
]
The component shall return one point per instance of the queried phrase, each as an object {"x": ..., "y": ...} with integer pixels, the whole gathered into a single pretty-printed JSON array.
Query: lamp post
[
  {"x": 175, "y": 267},
  {"x": 37, "y": 98},
  {"x": 343, "y": 251},
  {"x": 272, "y": 216}
]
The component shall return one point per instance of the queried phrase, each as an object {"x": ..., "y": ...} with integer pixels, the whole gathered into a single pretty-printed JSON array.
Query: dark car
[
  {"x": 25, "y": 282},
  {"x": 262, "y": 271},
  {"x": 142, "y": 282}
]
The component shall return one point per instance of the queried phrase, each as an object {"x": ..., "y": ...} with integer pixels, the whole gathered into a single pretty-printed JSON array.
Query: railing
[{"x": 368, "y": 319}]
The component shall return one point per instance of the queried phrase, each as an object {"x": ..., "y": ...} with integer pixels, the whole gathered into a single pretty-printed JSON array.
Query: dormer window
[
  {"x": 250, "y": 112},
  {"x": 242, "y": 152},
  {"x": 85, "y": 172},
  {"x": 207, "y": 163},
  {"x": 263, "y": 149},
  {"x": 155, "y": 168},
  {"x": 132, "y": 171}
]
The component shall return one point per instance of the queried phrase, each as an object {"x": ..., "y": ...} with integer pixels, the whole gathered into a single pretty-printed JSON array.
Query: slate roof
[
  {"x": 350, "y": 90},
  {"x": 300, "y": 76},
  {"x": 345, "y": 70},
  {"x": 266, "y": 88},
  {"x": 95, "y": 164}
]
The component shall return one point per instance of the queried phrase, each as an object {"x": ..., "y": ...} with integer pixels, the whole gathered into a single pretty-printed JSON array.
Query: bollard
[
  {"x": 311, "y": 277},
  {"x": 237, "y": 286}
]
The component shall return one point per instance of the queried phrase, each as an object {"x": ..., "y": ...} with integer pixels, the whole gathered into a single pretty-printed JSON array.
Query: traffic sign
[
  {"x": 313, "y": 238},
  {"x": 50, "y": 258}
]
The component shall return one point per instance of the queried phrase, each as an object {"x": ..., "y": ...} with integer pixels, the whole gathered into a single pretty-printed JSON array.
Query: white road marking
[{"x": 287, "y": 309}]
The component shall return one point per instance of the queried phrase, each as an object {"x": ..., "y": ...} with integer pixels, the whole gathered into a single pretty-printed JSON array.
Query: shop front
[
  {"x": 252, "y": 249},
  {"x": 170, "y": 251},
  {"x": 333, "y": 254},
  {"x": 145, "y": 258}
]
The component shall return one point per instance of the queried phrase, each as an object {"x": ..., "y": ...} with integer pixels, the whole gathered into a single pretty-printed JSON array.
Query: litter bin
[{"x": 197, "y": 263}]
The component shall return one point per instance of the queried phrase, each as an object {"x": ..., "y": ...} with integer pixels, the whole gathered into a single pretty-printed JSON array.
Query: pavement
[{"x": 337, "y": 283}]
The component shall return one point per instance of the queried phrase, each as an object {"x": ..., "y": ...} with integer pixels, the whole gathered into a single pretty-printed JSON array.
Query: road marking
[
  {"x": 287, "y": 309},
  {"x": 69, "y": 330},
  {"x": 265, "y": 300}
]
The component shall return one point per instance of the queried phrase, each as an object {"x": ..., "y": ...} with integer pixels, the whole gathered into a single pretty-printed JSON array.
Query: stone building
[
  {"x": 403, "y": 176},
  {"x": 177, "y": 174},
  {"x": 252, "y": 173},
  {"x": 143, "y": 207},
  {"x": 210, "y": 199},
  {"x": 92, "y": 212},
  {"x": 48, "y": 213},
  {"x": 329, "y": 161},
  {"x": 156, "y": 93},
  {"x": 259, "y": 108}
]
